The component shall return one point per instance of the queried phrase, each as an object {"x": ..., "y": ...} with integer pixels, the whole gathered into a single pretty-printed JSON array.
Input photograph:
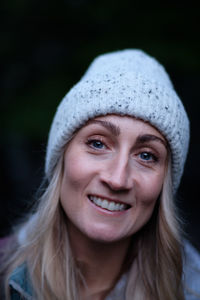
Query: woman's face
[{"x": 114, "y": 169}]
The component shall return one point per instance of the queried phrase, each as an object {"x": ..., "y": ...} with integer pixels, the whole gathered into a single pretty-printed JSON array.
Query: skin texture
[
  {"x": 120, "y": 159},
  {"x": 112, "y": 169}
]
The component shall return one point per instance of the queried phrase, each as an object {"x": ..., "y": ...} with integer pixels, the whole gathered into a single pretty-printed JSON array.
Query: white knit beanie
[{"x": 127, "y": 82}]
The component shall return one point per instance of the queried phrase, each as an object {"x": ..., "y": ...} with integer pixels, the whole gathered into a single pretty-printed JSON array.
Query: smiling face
[{"x": 114, "y": 169}]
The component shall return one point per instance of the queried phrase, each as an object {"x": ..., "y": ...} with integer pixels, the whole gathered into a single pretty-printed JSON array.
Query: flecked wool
[{"x": 127, "y": 82}]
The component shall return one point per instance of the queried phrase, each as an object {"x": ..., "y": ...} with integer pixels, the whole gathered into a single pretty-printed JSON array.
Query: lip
[
  {"x": 109, "y": 199},
  {"x": 104, "y": 211}
]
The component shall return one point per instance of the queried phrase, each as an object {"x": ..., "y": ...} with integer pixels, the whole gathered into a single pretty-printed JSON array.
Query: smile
[{"x": 108, "y": 204}]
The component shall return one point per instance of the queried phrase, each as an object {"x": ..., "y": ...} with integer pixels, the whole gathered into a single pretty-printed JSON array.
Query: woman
[{"x": 106, "y": 225}]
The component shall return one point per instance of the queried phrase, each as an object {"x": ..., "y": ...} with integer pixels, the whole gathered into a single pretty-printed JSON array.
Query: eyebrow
[
  {"x": 141, "y": 139},
  {"x": 115, "y": 130}
]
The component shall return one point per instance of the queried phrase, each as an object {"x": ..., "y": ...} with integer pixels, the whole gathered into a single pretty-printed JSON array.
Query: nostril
[
  {"x": 116, "y": 175},
  {"x": 115, "y": 188},
  {"x": 118, "y": 185}
]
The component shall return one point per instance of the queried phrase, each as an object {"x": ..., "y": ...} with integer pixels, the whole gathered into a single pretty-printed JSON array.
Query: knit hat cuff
[{"x": 122, "y": 94}]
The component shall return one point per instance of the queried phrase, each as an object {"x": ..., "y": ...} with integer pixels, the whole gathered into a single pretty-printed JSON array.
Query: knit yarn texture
[{"x": 127, "y": 82}]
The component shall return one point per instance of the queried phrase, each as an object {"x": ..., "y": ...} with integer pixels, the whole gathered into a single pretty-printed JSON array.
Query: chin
[{"x": 104, "y": 236}]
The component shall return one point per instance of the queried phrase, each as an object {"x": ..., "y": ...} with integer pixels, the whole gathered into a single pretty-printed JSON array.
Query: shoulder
[
  {"x": 20, "y": 285},
  {"x": 191, "y": 272},
  {"x": 191, "y": 276}
]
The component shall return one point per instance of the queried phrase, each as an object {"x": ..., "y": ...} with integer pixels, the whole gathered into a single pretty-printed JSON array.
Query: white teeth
[
  {"x": 121, "y": 206},
  {"x": 104, "y": 204},
  {"x": 109, "y": 205}
]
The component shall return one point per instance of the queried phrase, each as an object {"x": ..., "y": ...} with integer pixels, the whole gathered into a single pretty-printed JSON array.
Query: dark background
[{"x": 45, "y": 47}]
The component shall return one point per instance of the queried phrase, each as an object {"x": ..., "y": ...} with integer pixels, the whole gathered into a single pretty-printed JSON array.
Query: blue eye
[
  {"x": 96, "y": 144},
  {"x": 147, "y": 156}
]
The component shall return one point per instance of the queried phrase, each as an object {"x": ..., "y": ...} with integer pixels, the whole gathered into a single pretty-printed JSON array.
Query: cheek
[
  {"x": 78, "y": 172},
  {"x": 146, "y": 198},
  {"x": 71, "y": 185},
  {"x": 73, "y": 171},
  {"x": 150, "y": 189}
]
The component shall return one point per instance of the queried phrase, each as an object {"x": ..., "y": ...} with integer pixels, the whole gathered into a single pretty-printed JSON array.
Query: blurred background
[{"x": 45, "y": 47}]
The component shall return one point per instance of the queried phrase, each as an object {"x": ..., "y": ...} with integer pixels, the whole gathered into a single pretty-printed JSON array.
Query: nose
[{"x": 117, "y": 173}]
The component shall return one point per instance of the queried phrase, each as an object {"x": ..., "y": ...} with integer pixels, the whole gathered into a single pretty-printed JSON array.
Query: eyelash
[
  {"x": 153, "y": 158},
  {"x": 91, "y": 141}
]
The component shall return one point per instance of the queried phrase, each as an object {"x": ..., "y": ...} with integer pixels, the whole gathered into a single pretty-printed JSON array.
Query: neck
[{"x": 100, "y": 263}]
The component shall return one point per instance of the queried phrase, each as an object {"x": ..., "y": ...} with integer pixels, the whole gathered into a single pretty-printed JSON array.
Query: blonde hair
[
  {"x": 54, "y": 273},
  {"x": 159, "y": 253}
]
